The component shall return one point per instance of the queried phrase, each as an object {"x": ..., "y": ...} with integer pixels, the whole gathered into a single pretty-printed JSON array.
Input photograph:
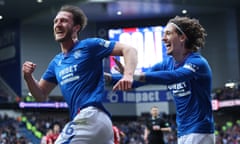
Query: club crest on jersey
[
  {"x": 191, "y": 67},
  {"x": 105, "y": 43},
  {"x": 60, "y": 62},
  {"x": 77, "y": 54}
]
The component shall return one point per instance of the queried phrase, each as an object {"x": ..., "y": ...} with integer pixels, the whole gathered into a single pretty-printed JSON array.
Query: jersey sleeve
[
  {"x": 49, "y": 74},
  {"x": 168, "y": 77},
  {"x": 191, "y": 69},
  {"x": 156, "y": 67},
  {"x": 100, "y": 47}
]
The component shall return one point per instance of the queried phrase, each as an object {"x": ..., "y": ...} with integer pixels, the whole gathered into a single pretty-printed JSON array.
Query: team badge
[
  {"x": 105, "y": 43},
  {"x": 77, "y": 54},
  {"x": 59, "y": 62},
  {"x": 191, "y": 67}
]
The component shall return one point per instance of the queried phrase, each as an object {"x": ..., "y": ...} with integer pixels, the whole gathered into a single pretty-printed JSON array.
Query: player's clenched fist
[{"x": 28, "y": 68}]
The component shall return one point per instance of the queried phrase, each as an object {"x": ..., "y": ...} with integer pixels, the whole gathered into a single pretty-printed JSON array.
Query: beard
[{"x": 66, "y": 37}]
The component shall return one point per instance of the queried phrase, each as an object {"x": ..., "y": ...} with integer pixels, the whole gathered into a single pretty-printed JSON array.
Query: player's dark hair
[
  {"x": 79, "y": 17},
  {"x": 193, "y": 30}
]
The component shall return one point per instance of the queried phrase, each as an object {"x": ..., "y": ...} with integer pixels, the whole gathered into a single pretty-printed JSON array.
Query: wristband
[{"x": 136, "y": 77}]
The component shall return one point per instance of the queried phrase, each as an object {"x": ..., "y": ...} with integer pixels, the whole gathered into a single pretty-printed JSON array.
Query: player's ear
[
  {"x": 183, "y": 37},
  {"x": 76, "y": 28}
]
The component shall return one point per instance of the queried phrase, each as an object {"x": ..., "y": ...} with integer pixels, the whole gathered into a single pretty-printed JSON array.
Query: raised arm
[{"x": 39, "y": 89}]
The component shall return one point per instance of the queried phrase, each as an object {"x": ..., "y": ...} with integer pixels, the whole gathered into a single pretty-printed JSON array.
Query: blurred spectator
[
  {"x": 118, "y": 135},
  {"x": 228, "y": 133},
  {"x": 52, "y": 136},
  {"x": 9, "y": 133},
  {"x": 155, "y": 128},
  {"x": 226, "y": 93},
  {"x": 44, "y": 139}
]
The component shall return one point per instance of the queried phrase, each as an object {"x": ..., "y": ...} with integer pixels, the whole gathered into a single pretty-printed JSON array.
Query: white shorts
[
  {"x": 197, "y": 138},
  {"x": 90, "y": 126}
]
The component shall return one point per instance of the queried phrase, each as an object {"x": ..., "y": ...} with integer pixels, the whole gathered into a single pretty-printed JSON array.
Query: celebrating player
[
  {"x": 188, "y": 76},
  {"x": 78, "y": 70}
]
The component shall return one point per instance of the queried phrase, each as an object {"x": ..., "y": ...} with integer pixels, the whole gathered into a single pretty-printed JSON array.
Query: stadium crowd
[
  {"x": 133, "y": 129},
  {"x": 9, "y": 131},
  {"x": 226, "y": 93},
  {"x": 226, "y": 133}
]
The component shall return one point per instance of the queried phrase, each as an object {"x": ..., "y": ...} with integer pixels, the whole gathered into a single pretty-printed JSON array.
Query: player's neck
[
  {"x": 67, "y": 46},
  {"x": 181, "y": 56},
  {"x": 181, "y": 59}
]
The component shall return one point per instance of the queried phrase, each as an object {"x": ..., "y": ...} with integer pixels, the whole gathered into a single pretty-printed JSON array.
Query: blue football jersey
[
  {"x": 79, "y": 73},
  {"x": 190, "y": 83}
]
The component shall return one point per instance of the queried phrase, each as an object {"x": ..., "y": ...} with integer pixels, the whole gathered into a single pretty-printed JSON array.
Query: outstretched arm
[{"x": 156, "y": 75}]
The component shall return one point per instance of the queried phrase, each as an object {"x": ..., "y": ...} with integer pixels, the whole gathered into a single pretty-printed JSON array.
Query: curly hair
[
  {"x": 194, "y": 31},
  {"x": 79, "y": 17}
]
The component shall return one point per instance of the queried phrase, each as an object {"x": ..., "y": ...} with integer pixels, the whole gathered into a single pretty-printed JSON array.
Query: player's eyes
[
  {"x": 167, "y": 33},
  {"x": 60, "y": 20}
]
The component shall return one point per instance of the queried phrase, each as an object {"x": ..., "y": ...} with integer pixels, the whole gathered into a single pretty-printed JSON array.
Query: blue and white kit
[
  {"x": 190, "y": 84},
  {"x": 79, "y": 73}
]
